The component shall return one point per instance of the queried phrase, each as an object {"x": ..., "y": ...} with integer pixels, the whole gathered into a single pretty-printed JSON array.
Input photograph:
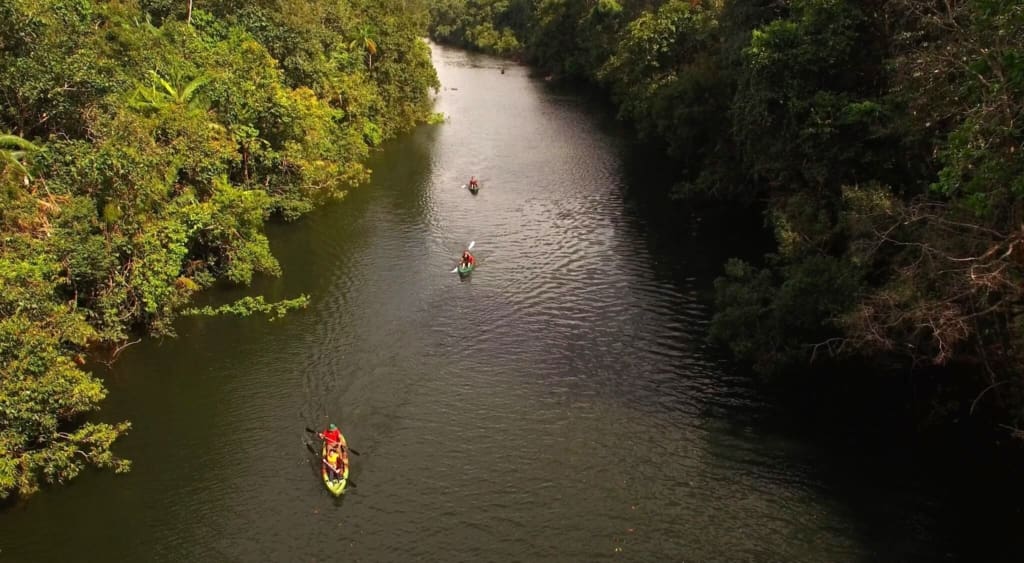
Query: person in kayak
[
  {"x": 333, "y": 437},
  {"x": 467, "y": 259},
  {"x": 473, "y": 184},
  {"x": 334, "y": 464}
]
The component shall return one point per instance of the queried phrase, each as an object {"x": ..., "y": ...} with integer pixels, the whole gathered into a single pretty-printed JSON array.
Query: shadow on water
[{"x": 911, "y": 495}]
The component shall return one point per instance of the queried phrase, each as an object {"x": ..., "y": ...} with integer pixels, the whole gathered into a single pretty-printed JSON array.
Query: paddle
[
  {"x": 337, "y": 474},
  {"x": 470, "y": 247},
  {"x": 332, "y": 469},
  {"x": 311, "y": 431}
]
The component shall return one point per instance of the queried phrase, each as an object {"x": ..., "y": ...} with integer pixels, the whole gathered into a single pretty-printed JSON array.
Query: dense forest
[
  {"x": 883, "y": 139},
  {"x": 143, "y": 146}
]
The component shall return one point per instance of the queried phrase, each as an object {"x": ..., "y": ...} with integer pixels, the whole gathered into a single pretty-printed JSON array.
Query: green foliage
[
  {"x": 981, "y": 158},
  {"x": 774, "y": 320},
  {"x": 163, "y": 93},
  {"x": 575, "y": 39},
  {"x": 40, "y": 386},
  {"x": 747, "y": 294},
  {"x": 495, "y": 27},
  {"x": 249, "y": 305},
  {"x": 48, "y": 50},
  {"x": 664, "y": 77},
  {"x": 807, "y": 80},
  {"x": 159, "y": 150},
  {"x": 372, "y": 134}
]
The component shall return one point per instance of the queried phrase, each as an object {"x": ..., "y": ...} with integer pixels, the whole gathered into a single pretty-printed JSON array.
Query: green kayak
[
  {"x": 465, "y": 270},
  {"x": 331, "y": 479}
]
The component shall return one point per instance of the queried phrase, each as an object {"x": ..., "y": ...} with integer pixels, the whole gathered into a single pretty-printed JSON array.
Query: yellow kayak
[{"x": 331, "y": 479}]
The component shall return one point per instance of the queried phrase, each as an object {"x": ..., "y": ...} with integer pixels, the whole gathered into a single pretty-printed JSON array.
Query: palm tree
[{"x": 365, "y": 33}]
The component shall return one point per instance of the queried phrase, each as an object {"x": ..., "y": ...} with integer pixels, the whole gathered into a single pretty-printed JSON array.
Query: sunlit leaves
[
  {"x": 40, "y": 387},
  {"x": 252, "y": 305},
  {"x": 162, "y": 93}
]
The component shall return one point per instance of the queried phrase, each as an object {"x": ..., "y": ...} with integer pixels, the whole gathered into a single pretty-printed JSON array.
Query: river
[{"x": 559, "y": 404}]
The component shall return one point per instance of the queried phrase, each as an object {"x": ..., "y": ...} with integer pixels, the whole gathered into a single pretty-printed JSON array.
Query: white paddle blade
[{"x": 471, "y": 243}]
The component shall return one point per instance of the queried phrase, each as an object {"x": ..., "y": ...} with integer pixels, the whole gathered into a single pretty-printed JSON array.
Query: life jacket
[{"x": 334, "y": 461}]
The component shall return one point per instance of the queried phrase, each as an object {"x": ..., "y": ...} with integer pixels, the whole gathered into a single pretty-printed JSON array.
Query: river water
[{"x": 560, "y": 404}]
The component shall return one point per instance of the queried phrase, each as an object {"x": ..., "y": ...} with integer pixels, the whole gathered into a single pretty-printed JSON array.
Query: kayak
[
  {"x": 474, "y": 189},
  {"x": 336, "y": 486},
  {"x": 465, "y": 270}
]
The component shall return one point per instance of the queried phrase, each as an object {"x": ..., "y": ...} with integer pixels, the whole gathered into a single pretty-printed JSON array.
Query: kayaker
[
  {"x": 467, "y": 259},
  {"x": 332, "y": 436},
  {"x": 334, "y": 464},
  {"x": 473, "y": 184}
]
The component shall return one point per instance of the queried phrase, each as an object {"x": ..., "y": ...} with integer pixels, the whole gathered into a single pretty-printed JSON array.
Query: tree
[{"x": 366, "y": 41}]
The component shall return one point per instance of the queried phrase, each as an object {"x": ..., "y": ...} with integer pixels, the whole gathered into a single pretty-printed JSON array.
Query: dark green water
[{"x": 559, "y": 405}]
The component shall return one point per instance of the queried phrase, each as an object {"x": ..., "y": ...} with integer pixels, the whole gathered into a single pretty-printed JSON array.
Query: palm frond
[
  {"x": 168, "y": 88},
  {"x": 22, "y": 149},
  {"x": 191, "y": 87},
  {"x": 8, "y": 140},
  {"x": 147, "y": 98}
]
